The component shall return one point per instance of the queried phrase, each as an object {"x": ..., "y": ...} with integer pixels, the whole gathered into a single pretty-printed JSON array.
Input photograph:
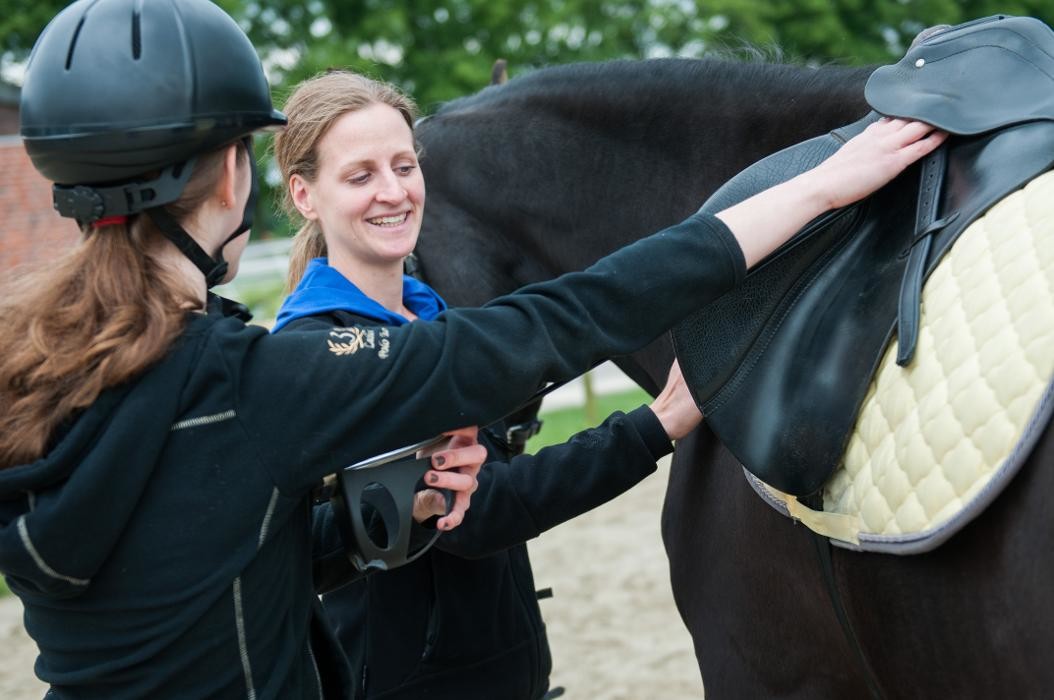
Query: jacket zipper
[
  {"x": 314, "y": 665},
  {"x": 432, "y": 629}
]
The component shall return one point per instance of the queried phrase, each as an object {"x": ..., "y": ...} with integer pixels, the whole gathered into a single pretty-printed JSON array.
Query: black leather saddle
[{"x": 781, "y": 365}]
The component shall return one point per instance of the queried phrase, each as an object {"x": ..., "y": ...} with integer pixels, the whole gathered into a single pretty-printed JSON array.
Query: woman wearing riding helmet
[
  {"x": 157, "y": 551},
  {"x": 157, "y": 455}
]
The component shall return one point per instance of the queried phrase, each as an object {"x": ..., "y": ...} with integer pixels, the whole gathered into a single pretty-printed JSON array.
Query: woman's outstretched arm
[{"x": 864, "y": 164}]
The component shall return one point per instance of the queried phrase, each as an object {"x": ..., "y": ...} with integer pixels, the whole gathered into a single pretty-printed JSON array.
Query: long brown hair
[
  {"x": 98, "y": 317},
  {"x": 311, "y": 109}
]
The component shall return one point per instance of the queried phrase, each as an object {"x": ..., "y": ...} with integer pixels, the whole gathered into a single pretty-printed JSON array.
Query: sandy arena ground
[{"x": 612, "y": 625}]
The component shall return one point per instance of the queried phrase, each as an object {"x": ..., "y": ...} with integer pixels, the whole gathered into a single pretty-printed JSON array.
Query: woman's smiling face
[{"x": 369, "y": 195}]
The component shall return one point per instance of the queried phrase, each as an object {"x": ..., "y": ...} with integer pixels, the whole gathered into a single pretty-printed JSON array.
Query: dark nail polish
[
  {"x": 432, "y": 478},
  {"x": 440, "y": 460}
]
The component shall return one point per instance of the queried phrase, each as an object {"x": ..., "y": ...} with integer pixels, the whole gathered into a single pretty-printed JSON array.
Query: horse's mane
[{"x": 659, "y": 83}]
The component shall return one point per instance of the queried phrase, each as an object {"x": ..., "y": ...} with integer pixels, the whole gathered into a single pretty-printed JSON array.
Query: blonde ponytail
[{"x": 308, "y": 243}]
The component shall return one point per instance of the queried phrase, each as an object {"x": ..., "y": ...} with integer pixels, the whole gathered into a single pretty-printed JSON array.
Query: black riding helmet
[{"x": 117, "y": 91}]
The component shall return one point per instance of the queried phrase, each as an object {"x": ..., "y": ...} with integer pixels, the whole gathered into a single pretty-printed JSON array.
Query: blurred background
[{"x": 438, "y": 50}]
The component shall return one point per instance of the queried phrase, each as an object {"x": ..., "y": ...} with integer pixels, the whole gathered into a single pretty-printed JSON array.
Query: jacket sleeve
[
  {"x": 315, "y": 401},
  {"x": 521, "y": 498}
]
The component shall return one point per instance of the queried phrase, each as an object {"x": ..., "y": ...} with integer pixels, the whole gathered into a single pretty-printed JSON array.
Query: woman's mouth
[{"x": 390, "y": 220}]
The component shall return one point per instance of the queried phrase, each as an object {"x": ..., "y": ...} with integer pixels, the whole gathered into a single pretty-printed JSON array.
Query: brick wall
[
  {"x": 30, "y": 230},
  {"x": 8, "y": 118}
]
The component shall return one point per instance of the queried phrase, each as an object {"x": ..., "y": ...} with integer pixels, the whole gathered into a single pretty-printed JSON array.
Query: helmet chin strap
[{"x": 214, "y": 267}]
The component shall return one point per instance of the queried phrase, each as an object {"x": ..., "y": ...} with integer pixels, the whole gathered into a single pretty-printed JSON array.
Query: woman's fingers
[
  {"x": 910, "y": 134},
  {"x": 455, "y": 518},
  {"x": 452, "y": 480},
  {"x": 431, "y": 501},
  {"x": 457, "y": 512},
  {"x": 928, "y": 143},
  {"x": 920, "y": 136},
  {"x": 463, "y": 436},
  {"x": 455, "y": 464},
  {"x": 454, "y": 438},
  {"x": 456, "y": 469},
  {"x": 468, "y": 456},
  {"x": 872, "y": 158}
]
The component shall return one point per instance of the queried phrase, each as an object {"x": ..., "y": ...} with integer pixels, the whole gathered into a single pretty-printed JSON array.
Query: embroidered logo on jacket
[{"x": 348, "y": 341}]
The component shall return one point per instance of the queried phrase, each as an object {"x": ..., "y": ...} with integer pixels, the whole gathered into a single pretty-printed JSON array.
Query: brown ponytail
[{"x": 98, "y": 317}]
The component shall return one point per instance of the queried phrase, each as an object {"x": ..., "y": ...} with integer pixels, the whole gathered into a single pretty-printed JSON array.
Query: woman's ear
[
  {"x": 300, "y": 193},
  {"x": 225, "y": 187}
]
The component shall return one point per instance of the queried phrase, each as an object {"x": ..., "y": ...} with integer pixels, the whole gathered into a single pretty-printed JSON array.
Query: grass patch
[
  {"x": 263, "y": 297},
  {"x": 559, "y": 425},
  {"x": 3, "y": 587}
]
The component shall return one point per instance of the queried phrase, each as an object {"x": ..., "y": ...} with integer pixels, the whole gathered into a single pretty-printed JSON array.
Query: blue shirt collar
[{"x": 323, "y": 289}]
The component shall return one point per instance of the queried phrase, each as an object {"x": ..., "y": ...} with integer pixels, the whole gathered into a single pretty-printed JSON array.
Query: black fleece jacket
[
  {"x": 463, "y": 620},
  {"x": 162, "y": 547}
]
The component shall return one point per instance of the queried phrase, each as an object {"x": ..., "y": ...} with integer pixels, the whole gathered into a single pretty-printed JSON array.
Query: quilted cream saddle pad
[{"x": 935, "y": 442}]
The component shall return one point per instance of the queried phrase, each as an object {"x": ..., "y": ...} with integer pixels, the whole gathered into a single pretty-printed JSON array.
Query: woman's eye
[
  {"x": 405, "y": 169},
  {"x": 360, "y": 179}
]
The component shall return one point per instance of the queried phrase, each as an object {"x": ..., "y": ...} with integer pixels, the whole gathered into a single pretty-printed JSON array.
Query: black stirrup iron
[
  {"x": 373, "y": 501},
  {"x": 383, "y": 487}
]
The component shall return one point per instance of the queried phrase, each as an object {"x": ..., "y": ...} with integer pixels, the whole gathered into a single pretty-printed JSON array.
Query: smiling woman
[
  {"x": 368, "y": 194},
  {"x": 326, "y": 165}
]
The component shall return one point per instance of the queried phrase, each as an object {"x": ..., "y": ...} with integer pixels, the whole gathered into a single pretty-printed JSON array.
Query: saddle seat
[
  {"x": 982, "y": 75},
  {"x": 782, "y": 365}
]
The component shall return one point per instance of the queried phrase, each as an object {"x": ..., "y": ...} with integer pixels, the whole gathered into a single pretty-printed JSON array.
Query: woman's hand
[
  {"x": 674, "y": 406},
  {"x": 872, "y": 158},
  {"x": 455, "y": 465},
  {"x": 862, "y": 165}
]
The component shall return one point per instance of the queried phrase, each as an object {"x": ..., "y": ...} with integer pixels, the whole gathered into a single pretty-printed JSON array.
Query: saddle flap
[
  {"x": 781, "y": 365},
  {"x": 972, "y": 78}
]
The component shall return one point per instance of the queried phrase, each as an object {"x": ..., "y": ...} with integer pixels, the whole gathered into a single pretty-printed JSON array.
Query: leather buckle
[
  {"x": 82, "y": 203},
  {"x": 518, "y": 435}
]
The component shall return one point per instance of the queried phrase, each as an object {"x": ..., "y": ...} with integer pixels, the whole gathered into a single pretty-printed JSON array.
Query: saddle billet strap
[{"x": 932, "y": 177}]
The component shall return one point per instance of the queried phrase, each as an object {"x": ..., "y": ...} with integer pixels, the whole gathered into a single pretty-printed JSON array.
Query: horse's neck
[
  {"x": 549, "y": 173},
  {"x": 644, "y": 150},
  {"x": 679, "y": 147}
]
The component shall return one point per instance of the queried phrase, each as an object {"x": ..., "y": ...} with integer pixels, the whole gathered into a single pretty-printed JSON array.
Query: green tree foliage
[
  {"x": 855, "y": 31},
  {"x": 439, "y": 50}
]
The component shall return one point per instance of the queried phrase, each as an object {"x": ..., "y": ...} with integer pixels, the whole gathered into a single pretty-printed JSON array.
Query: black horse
[{"x": 550, "y": 171}]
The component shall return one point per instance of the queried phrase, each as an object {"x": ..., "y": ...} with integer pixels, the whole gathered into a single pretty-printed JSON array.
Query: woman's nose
[{"x": 391, "y": 189}]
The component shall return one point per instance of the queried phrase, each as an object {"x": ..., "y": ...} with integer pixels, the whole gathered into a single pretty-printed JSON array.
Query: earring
[{"x": 223, "y": 203}]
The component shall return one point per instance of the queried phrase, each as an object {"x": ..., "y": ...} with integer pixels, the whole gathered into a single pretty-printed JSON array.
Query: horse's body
[{"x": 551, "y": 171}]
